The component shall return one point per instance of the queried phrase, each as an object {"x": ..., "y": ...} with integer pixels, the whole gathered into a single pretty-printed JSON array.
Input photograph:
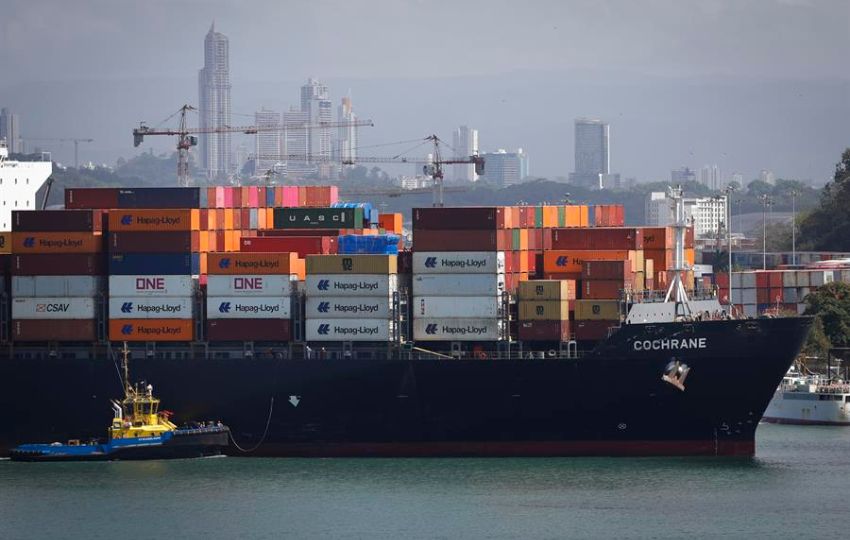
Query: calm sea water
[{"x": 797, "y": 487}]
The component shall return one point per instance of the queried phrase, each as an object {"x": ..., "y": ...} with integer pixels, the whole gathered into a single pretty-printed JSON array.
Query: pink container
[
  {"x": 228, "y": 197},
  {"x": 253, "y": 197},
  {"x": 290, "y": 196}
]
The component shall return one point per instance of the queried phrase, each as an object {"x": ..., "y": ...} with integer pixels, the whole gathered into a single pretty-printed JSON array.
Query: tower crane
[
  {"x": 76, "y": 142},
  {"x": 431, "y": 167},
  {"x": 186, "y": 136}
]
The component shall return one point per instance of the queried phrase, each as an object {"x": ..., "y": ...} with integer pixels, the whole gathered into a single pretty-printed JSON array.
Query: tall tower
[
  {"x": 317, "y": 107},
  {"x": 465, "y": 144},
  {"x": 347, "y": 135},
  {"x": 592, "y": 157},
  {"x": 267, "y": 142},
  {"x": 10, "y": 129},
  {"x": 214, "y": 101}
]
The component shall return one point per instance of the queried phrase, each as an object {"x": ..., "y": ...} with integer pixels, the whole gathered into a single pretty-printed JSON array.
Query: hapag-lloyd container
[
  {"x": 248, "y": 330},
  {"x": 53, "y": 308},
  {"x": 151, "y": 285},
  {"x": 474, "y": 307},
  {"x": 58, "y": 264},
  {"x": 461, "y": 329},
  {"x": 56, "y": 242},
  {"x": 151, "y": 329},
  {"x": 327, "y": 329},
  {"x": 572, "y": 260},
  {"x": 253, "y": 263},
  {"x": 454, "y": 262},
  {"x": 70, "y": 286},
  {"x": 164, "y": 307},
  {"x": 350, "y": 285},
  {"x": 158, "y": 220},
  {"x": 458, "y": 284},
  {"x": 250, "y": 307},
  {"x": 48, "y": 330},
  {"x": 352, "y": 264},
  {"x": 56, "y": 220},
  {"x": 252, "y": 285},
  {"x": 348, "y": 307}
]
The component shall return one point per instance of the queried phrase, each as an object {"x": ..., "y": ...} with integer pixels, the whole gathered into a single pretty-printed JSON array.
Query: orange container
[
  {"x": 570, "y": 261},
  {"x": 573, "y": 216},
  {"x": 155, "y": 220},
  {"x": 5, "y": 242},
  {"x": 550, "y": 216},
  {"x": 151, "y": 330},
  {"x": 391, "y": 223},
  {"x": 584, "y": 216},
  {"x": 203, "y": 258},
  {"x": 56, "y": 242},
  {"x": 253, "y": 263}
]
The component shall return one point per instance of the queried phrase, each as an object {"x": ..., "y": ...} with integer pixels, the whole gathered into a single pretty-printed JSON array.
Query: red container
[
  {"x": 592, "y": 330},
  {"x": 722, "y": 281},
  {"x": 613, "y": 238},
  {"x": 79, "y": 198},
  {"x": 57, "y": 220},
  {"x": 775, "y": 295},
  {"x": 595, "y": 289},
  {"x": 161, "y": 242},
  {"x": 248, "y": 330},
  {"x": 303, "y": 245},
  {"x": 59, "y": 264},
  {"x": 775, "y": 279},
  {"x": 608, "y": 270},
  {"x": 658, "y": 238},
  {"x": 689, "y": 238},
  {"x": 300, "y": 232},
  {"x": 50, "y": 330},
  {"x": 459, "y": 218},
  {"x": 458, "y": 240},
  {"x": 405, "y": 262},
  {"x": 762, "y": 281},
  {"x": 543, "y": 331},
  {"x": 762, "y": 296}
]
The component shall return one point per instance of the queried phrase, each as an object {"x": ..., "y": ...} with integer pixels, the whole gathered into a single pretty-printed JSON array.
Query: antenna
[
  {"x": 676, "y": 290},
  {"x": 125, "y": 367}
]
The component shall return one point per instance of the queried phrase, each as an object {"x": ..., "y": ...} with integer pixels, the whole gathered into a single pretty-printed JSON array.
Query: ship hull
[{"x": 615, "y": 400}]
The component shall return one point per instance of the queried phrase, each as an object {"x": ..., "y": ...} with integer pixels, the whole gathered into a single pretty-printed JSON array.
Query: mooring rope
[{"x": 265, "y": 432}]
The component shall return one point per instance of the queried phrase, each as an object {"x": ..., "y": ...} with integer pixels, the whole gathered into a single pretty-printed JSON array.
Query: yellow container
[
  {"x": 597, "y": 310},
  {"x": 544, "y": 310},
  {"x": 5, "y": 242},
  {"x": 547, "y": 289},
  {"x": 352, "y": 264}
]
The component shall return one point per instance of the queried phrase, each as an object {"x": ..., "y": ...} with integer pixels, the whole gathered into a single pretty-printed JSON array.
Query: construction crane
[
  {"x": 68, "y": 139},
  {"x": 431, "y": 167},
  {"x": 186, "y": 135}
]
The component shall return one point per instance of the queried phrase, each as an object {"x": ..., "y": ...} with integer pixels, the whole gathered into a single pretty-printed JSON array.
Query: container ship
[{"x": 310, "y": 328}]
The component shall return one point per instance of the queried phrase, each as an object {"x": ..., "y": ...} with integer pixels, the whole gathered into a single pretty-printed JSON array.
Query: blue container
[
  {"x": 270, "y": 197},
  {"x": 355, "y": 244},
  {"x": 204, "y": 198},
  {"x": 148, "y": 264},
  {"x": 159, "y": 198},
  {"x": 591, "y": 215}
]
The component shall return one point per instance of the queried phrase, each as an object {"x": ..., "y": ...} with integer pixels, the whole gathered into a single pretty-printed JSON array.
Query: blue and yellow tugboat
[{"x": 139, "y": 430}]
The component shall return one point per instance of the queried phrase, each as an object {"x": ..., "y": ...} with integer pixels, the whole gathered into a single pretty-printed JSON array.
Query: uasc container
[{"x": 323, "y": 218}]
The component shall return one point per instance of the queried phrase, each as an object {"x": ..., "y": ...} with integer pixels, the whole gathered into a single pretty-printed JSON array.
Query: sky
[{"x": 747, "y": 84}]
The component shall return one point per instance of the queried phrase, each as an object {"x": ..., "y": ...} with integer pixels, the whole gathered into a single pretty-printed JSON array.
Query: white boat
[
  {"x": 19, "y": 182},
  {"x": 810, "y": 400}
]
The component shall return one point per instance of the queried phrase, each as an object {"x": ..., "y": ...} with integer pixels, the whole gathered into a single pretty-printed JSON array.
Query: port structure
[
  {"x": 76, "y": 142},
  {"x": 186, "y": 135}
]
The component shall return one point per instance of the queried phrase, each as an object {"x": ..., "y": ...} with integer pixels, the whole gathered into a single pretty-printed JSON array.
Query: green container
[
  {"x": 562, "y": 216},
  {"x": 515, "y": 238},
  {"x": 318, "y": 218},
  {"x": 538, "y": 217}
]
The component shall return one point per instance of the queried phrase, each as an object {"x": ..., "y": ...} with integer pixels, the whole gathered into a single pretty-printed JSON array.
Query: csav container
[
  {"x": 249, "y": 307},
  {"x": 350, "y": 285},
  {"x": 467, "y": 329},
  {"x": 475, "y": 307},
  {"x": 458, "y": 284},
  {"x": 454, "y": 262},
  {"x": 151, "y": 285},
  {"x": 134, "y": 307},
  {"x": 151, "y": 329},
  {"x": 84, "y": 286},
  {"x": 326, "y": 329},
  {"x": 264, "y": 285},
  {"x": 249, "y": 330},
  {"x": 347, "y": 307},
  {"x": 53, "y": 308}
]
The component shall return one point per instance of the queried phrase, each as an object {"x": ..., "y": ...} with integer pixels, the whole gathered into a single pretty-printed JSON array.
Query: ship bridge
[{"x": 19, "y": 182}]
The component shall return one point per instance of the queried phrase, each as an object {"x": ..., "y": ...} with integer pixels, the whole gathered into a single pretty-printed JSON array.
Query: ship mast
[
  {"x": 676, "y": 291},
  {"x": 125, "y": 367}
]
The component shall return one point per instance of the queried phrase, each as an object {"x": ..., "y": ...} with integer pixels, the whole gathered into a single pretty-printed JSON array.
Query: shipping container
[
  {"x": 457, "y": 329},
  {"x": 249, "y": 307},
  {"x": 348, "y": 307},
  {"x": 598, "y": 289},
  {"x": 460, "y": 240},
  {"x": 461, "y": 218},
  {"x": 156, "y": 220},
  {"x": 253, "y": 263},
  {"x": 312, "y": 218},
  {"x": 598, "y": 310},
  {"x": 71, "y": 286},
  {"x": 56, "y": 242},
  {"x": 55, "y": 307},
  {"x": 152, "y": 285},
  {"x": 351, "y": 285},
  {"x": 592, "y": 330},
  {"x": 473, "y": 307},
  {"x": 260, "y": 285},
  {"x": 58, "y": 264},
  {"x": 619, "y": 238},
  {"x": 159, "y": 197},
  {"x": 660, "y": 238},
  {"x": 162, "y": 242},
  {"x": 142, "y": 307},
  {"x": 56, "y": 220},
  {"x": 352, "y": 264},
  {"x": 5, "y": 242},
  {"x": 544, "y": 331},
  {"x": 248, "y": 330},
  {"x": 300, "y": 245},
  {"x": 458, "y": 284},
  {"x": 47, "y": 330},
  {"x": 572, "y": 260},
  {"x": 154, "y": 263},
  {"x": 85, "y": 198},
  {"x": 547, "y": 289},
  {"x": 151, "y": 330},
  {"x": 544, "y": 310},
  {"x": 454, "y": 262},
  {"x": 326, "y": 329},
  {"x": 610, "y": 270}
]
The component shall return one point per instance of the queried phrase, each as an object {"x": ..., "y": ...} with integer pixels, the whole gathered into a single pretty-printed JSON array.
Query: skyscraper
[
  {"x": 295, "y": 143},
  {"x": 10, "y": 129},
  {"x": 465, "y": 144},
  {"x": 214, "y": 101},
  {"x": 710, "y": 177},
  {"x": 592, "y": 157},
  {"x": 347, "y": 135},
  {"x": 503, "y": 168},
  {"x": 316, "y": 104},
  {"x": 267, "y": 143}
]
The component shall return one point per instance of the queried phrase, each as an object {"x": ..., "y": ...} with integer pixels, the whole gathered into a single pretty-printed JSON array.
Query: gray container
[{"x": 69, "y": 286}]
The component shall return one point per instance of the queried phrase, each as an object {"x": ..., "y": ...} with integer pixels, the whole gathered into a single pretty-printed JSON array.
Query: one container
[
  {"x": 89, "y": 286},
  {"x": 347, "y": 307},
  {"x": 543, "y": 330},
  {"x": 151, "y": 329},
  {"x": 134, "y": 307},
  {"x": 151, "y": 285},
  {"x": 547, "y": 289},
  {"x": 466, "y": 329},
  {"x": 599, "y": 310},
  {"x": 248, "y": 307},
  {"x": 458, "y": 284},
  {"x": 154, "y": 220},
  {"x": 473, "y": 307},
  {"x": 154, "y": 263},
  {"x": 145, "y": 241},
  {"x": 47, "y": 330},
  {"x": 544, "y": 310},
  {"x": 56, "y": 220},
  {"x": 252, "y": 263},
  {"x": 276, "y": 330},
  {"x": 326, "y": 329},
  {"x": 318, "y": 218},
  {"x": 262, "y": 285},
  {"x": 53, "y": 308},
  {"x": 352, "y": 264},
  {"x": 461, "y": 218},
  {"x": 57, "y": 264},
  {"x": 454, "y": 262},
  {"x": 350, "y": 285},
  {"x": 56, "y": 242}
]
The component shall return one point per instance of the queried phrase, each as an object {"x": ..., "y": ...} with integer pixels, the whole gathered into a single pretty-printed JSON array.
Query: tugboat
[{"x": 139, "y": 430}]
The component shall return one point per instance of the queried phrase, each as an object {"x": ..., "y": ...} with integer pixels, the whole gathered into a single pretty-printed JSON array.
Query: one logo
[
  {"x": 29, "y": 242},
  {"x": 324, "y": 284},
  {"x": 324, "y": 329},
  {"x": 347, "y": 264},
  {"x": 127, "y": 307},
  {"x": 562, "y": 261},
  {"x": 431, "y": 262},
  {"x": 324, "y": 307},
  {"x": 127, "y": 329},
  {"x": 224, "y": 307},
  {"x": 431, "y": 329},
  {"x": 224, "y": 263},
  {"x": 126, "y": 219}
]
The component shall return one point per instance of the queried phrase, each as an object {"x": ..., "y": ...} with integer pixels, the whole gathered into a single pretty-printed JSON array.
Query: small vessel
[
  {"x": 810, "y": 400},
  {"x": 139, "y": 430}
]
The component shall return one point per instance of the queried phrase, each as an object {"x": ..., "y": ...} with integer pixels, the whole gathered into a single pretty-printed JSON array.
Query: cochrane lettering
[{"x": 671, "y": 344}]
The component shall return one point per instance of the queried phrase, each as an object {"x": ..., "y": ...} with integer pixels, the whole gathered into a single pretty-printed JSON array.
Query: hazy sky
[{"x": 91, "y": 47}]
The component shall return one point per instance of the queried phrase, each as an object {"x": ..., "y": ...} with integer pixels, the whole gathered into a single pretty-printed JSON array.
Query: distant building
[
  {"x": 710, "y": 177},
  {"x": 707, "y": 213},
  {"x": 503, "y": 168},
  {"x": 316, "y": 103},
  {"x": 592, "y": 152},
  {"x": 295, "y": 144},
  {"x": 682, "y": 175},
  {"x": 610, "y": 181},
  {"x": 737, "y": 178},
  {"x": 267, "y": 142},
  {"x": 346, "y": 143},
  {"x": 241, "y": 155},
  {"x": 465, "y": 144},
  {"x": 767, "y": 176},
  {"x": 214, "y": 105},
  {"x": 658, "y": 210},
  {"x": 10, "y": 131}
]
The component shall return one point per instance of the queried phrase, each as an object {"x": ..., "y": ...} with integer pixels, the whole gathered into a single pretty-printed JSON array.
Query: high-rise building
[
  {"x": 465, "y": 144},
  {"x": 709, "y": 176},
  {"x": 767, "y": 176},
  {"x": 658, "y": 210},
  {"x": 346, "y": 143},
  {"x": 214, "y": 105},
  {"x": 295, "y": 144},
  {"x": 592, "y": 152},
  {"x": 708, "y": 214},
  {"x": 10, "y": 130},
  {"x": 316, "y": 104},
  {"x": 682, "y": 175},
  {"x": 267, "y": 143},
  {"x": 503, "y": 168}
]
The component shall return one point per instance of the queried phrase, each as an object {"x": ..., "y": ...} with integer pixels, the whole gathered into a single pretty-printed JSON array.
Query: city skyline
[{"x": 214, "y": 106}]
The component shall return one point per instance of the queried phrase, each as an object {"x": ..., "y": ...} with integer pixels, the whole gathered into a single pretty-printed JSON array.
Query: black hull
[{"x": 611, "y": 401}]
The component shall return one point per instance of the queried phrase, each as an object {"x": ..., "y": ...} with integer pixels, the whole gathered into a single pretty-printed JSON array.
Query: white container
[
  {"x": 801, "y": 309},
  {"x": 789, "y": 295},
  {"x": 748, "y": 296},
  {"x": 737, "y": 296},
  {"x": 802, "y": 278},
  {"x": 458, "y": 262},
  {"x": 737, "y": 280},
  {"x": 84, "y": 286},
  {"x": 181, "y": 286},
  {"x": 458, "y": 284},
  {"x": 249, "y": 307},
  {"x": 53, "y": 307},
  {"x": 348, "y": 307},
  {"x": 789, "y": 278},
  {"x": 816, "y": 278},
  {"x": 441, "y": 329},
  {"x": 748, "y": 280},
  {"x": 353, "y": 285},
  {"x": 252, "y": 285},
  {"x": 475, "y": 307},
  {"x": 751, "y": 310},
  {"x": 146, "y": 307},
  {"x": 845, "y": 276},
  {"x": 349, "y": 330}
]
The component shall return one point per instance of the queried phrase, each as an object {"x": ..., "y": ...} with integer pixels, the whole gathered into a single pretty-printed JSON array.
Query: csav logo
[
  {"x": 324, "y": 329},
  {"x": 127, "y": 329},
  {"x": 127, "y": 307},
  {"x": 347, "y": 264},
  {"x": 224, "y": 263},
  {"x": 324, "y": 307},
  {"x": 324, "y": 284},
  {"x": 431, "y": 262},
  {"x": 29, "y": 242},
  {"x": 431, "y": 329},
  {"x": 224, "y": 307},
  {"x": 562, "y": 261},
  {"x": 126, "y": 219}
]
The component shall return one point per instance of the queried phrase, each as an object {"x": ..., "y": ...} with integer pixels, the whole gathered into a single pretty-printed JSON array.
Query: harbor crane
[
  {"x": 432, "y": 167},
  {"x": 186, "y": 135},
  {"x": 76, "y": 142}
]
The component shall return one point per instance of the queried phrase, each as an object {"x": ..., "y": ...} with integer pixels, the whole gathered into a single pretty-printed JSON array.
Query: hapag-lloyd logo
[
  {"x": 670, "y": 344},
  {"x": 156, "y": 221}
]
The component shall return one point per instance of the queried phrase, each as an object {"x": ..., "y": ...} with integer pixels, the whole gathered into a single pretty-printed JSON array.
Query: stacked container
[
  {"x": 758, "y": 291},
  {"x": 593, "y": 318},
  {"x": 151, "y": 267},
  {"x": 544, "y": 309},
  {"x": 249, "y": 296},
  {"x": 57, "y": 275},
  {"x": 349, "y": 297}
]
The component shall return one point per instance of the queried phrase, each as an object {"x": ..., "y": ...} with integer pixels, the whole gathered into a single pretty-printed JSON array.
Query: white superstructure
[
  {"x": 19, "y": 181},
  {"x": 812, "y": 400}
]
